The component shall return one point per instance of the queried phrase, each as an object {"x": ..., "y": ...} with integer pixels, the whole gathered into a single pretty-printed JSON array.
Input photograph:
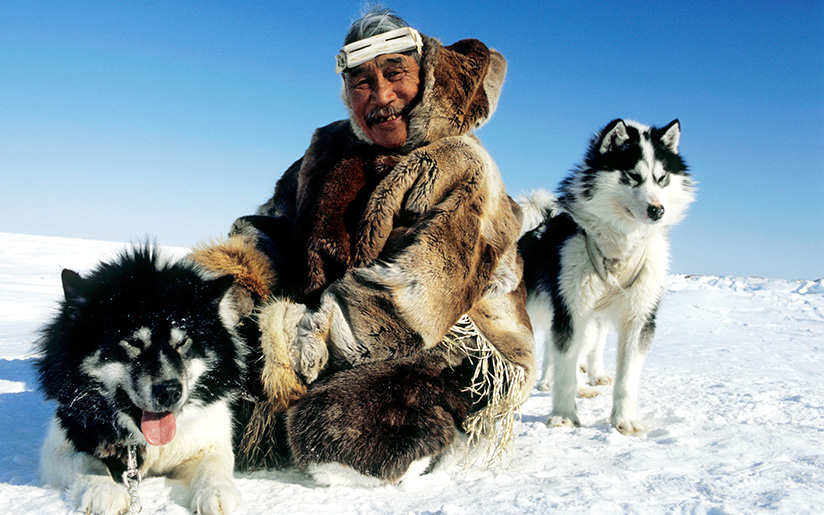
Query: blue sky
[{"x": 122, "y": 120}]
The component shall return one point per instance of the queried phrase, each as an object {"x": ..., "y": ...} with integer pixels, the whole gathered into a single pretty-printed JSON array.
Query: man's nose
[{"x": 383, "y": 92}]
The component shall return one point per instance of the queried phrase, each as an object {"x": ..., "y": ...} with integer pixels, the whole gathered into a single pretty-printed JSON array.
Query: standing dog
[
  {"x": 599, "y": 255},
  {"x": 143, "y": 364}
]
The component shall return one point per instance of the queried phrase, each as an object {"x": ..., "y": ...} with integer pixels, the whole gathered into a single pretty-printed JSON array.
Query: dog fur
[
  {"x": 599, "y": 255},
  {"x": 142, "y": 353}
]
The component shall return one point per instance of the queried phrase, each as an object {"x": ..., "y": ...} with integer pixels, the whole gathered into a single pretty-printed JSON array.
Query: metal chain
[{"x": 132, "y": 478}]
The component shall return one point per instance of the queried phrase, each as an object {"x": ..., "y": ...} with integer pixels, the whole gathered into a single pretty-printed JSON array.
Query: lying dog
[
  {"x": 599, "y": 255},
  {"x": 143, "y": 365}
]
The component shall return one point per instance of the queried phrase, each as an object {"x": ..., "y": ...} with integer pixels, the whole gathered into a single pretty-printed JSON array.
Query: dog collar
[
  {"x": 626, "y": 276},
  {"x": 392, "y": 42}
]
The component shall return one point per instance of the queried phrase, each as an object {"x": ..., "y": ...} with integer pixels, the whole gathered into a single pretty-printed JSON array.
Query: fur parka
[{"x": 376, "y": 256}]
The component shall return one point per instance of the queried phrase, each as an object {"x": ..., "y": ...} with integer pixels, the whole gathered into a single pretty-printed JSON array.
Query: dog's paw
[
  {"x": 215, "y": 500},
  {"x": 544, "y": 386},
  {"x": 563, "y": 421},
  {"x": 585, "y": 392},
  {"x": 100, "y": 495},
  {"x": 630, "y": 427},
  {"x": 600, "y": 380}
]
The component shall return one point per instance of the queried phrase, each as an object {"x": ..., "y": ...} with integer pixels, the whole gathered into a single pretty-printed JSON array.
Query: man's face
[{"x": 381, "y": 92}]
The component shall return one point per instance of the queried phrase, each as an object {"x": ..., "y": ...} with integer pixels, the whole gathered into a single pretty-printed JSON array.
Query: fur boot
[{"x": 380, "y": 418}]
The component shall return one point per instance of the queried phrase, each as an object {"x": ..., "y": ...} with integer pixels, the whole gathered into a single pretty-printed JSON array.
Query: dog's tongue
[{"x": 158, "y": 428}]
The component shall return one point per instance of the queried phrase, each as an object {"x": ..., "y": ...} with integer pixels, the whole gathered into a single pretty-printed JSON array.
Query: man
[{"x": 383, "y": 273}]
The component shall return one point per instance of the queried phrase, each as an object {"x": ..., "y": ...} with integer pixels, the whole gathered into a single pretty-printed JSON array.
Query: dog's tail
[{"x": 539, "y": 206}]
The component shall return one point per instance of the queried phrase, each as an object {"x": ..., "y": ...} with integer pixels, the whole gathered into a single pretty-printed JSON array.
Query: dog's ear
[
  {"x": 217, "y": 288},
  {"x": 613, "y": 136},
  {"x": 73, "y": 284},
  {"x": 670, "y": 135}
]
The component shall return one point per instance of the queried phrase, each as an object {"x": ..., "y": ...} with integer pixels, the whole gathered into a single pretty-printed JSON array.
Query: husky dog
[
  {"x": 143, "y": 364},
  {"x": 599, "y": 255}
]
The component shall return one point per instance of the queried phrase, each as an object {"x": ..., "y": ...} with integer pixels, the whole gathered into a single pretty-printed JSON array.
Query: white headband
[{"x": 392, "y": 42}]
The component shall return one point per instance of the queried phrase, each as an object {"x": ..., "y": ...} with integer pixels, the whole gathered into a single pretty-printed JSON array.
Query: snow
[{"x": 731, "y": 391}]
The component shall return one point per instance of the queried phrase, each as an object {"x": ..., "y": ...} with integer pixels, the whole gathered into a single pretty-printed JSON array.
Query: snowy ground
[{"x": 732, "y": 391}]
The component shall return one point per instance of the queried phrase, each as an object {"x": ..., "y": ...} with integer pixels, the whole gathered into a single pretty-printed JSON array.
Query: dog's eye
[
  {"x": 179, "y": 340},
  {"x": 181, "y": 344},
  {"x": 663, "y": 179},
  {"x": 631, "y": 177}
]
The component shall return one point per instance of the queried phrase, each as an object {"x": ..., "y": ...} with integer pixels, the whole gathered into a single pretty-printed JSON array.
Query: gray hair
[{"x": 377, "y": 21}]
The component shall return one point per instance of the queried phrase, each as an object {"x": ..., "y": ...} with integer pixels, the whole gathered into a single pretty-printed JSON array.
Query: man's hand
[{"x": 311, "y": 355}]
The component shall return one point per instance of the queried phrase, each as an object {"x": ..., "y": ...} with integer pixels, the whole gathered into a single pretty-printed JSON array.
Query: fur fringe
[
  {"x": 239, "y": 258},
  {"x": 490, "y": 430},
  {"x": 259, "y": 447}
]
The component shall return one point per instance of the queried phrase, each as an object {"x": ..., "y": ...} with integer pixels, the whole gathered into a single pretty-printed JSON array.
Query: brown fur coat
[{"x": 389, "y": 250}]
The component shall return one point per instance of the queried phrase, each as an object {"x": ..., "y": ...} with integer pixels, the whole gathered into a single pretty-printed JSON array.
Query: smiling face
[{"x": 381, "y": 93}]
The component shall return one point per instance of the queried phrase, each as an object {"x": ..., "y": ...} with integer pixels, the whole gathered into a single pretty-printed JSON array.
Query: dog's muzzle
[{"x": 654, "y": 212}]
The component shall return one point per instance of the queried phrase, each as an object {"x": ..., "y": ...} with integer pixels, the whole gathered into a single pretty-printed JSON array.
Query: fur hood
[{"x": 460, "y": 87}]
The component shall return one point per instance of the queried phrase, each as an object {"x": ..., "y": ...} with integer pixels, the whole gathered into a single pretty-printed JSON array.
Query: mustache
[{"x": 386, "y": 112}]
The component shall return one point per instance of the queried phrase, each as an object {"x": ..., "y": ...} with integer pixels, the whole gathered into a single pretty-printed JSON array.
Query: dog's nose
[
  {"x": 655, "y": 212},
  {"x": 167, "y": 393}
]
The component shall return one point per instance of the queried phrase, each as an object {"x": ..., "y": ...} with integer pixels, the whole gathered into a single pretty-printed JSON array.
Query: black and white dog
[
  {"x": 143, "y": 364},
  {"x": 599, "y": 255}
]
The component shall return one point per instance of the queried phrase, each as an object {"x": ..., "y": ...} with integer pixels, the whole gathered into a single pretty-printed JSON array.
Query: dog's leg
[
  {"x": 84, "y": 477},
  {"x": 540, "y": 313},
  {"x": 589, "y": 344},
  {"x": 545, "y": 383},
  {"x": 564, "y": 389},
  {"x": 633, "y": 341},
  {"x": 209, "y": 473},
  {"x": 596, "y": 374},
  {"x": 212, "y": 486},
  {"x": 566, "y": 350}
]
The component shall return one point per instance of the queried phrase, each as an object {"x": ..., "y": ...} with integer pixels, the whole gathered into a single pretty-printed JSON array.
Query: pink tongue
[{"x": 158, "y": 428}]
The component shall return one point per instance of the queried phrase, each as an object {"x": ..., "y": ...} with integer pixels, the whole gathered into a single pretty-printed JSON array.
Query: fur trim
[
  {"x": 461, "y": 85},
  {"x": 238, "y": 257}
]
